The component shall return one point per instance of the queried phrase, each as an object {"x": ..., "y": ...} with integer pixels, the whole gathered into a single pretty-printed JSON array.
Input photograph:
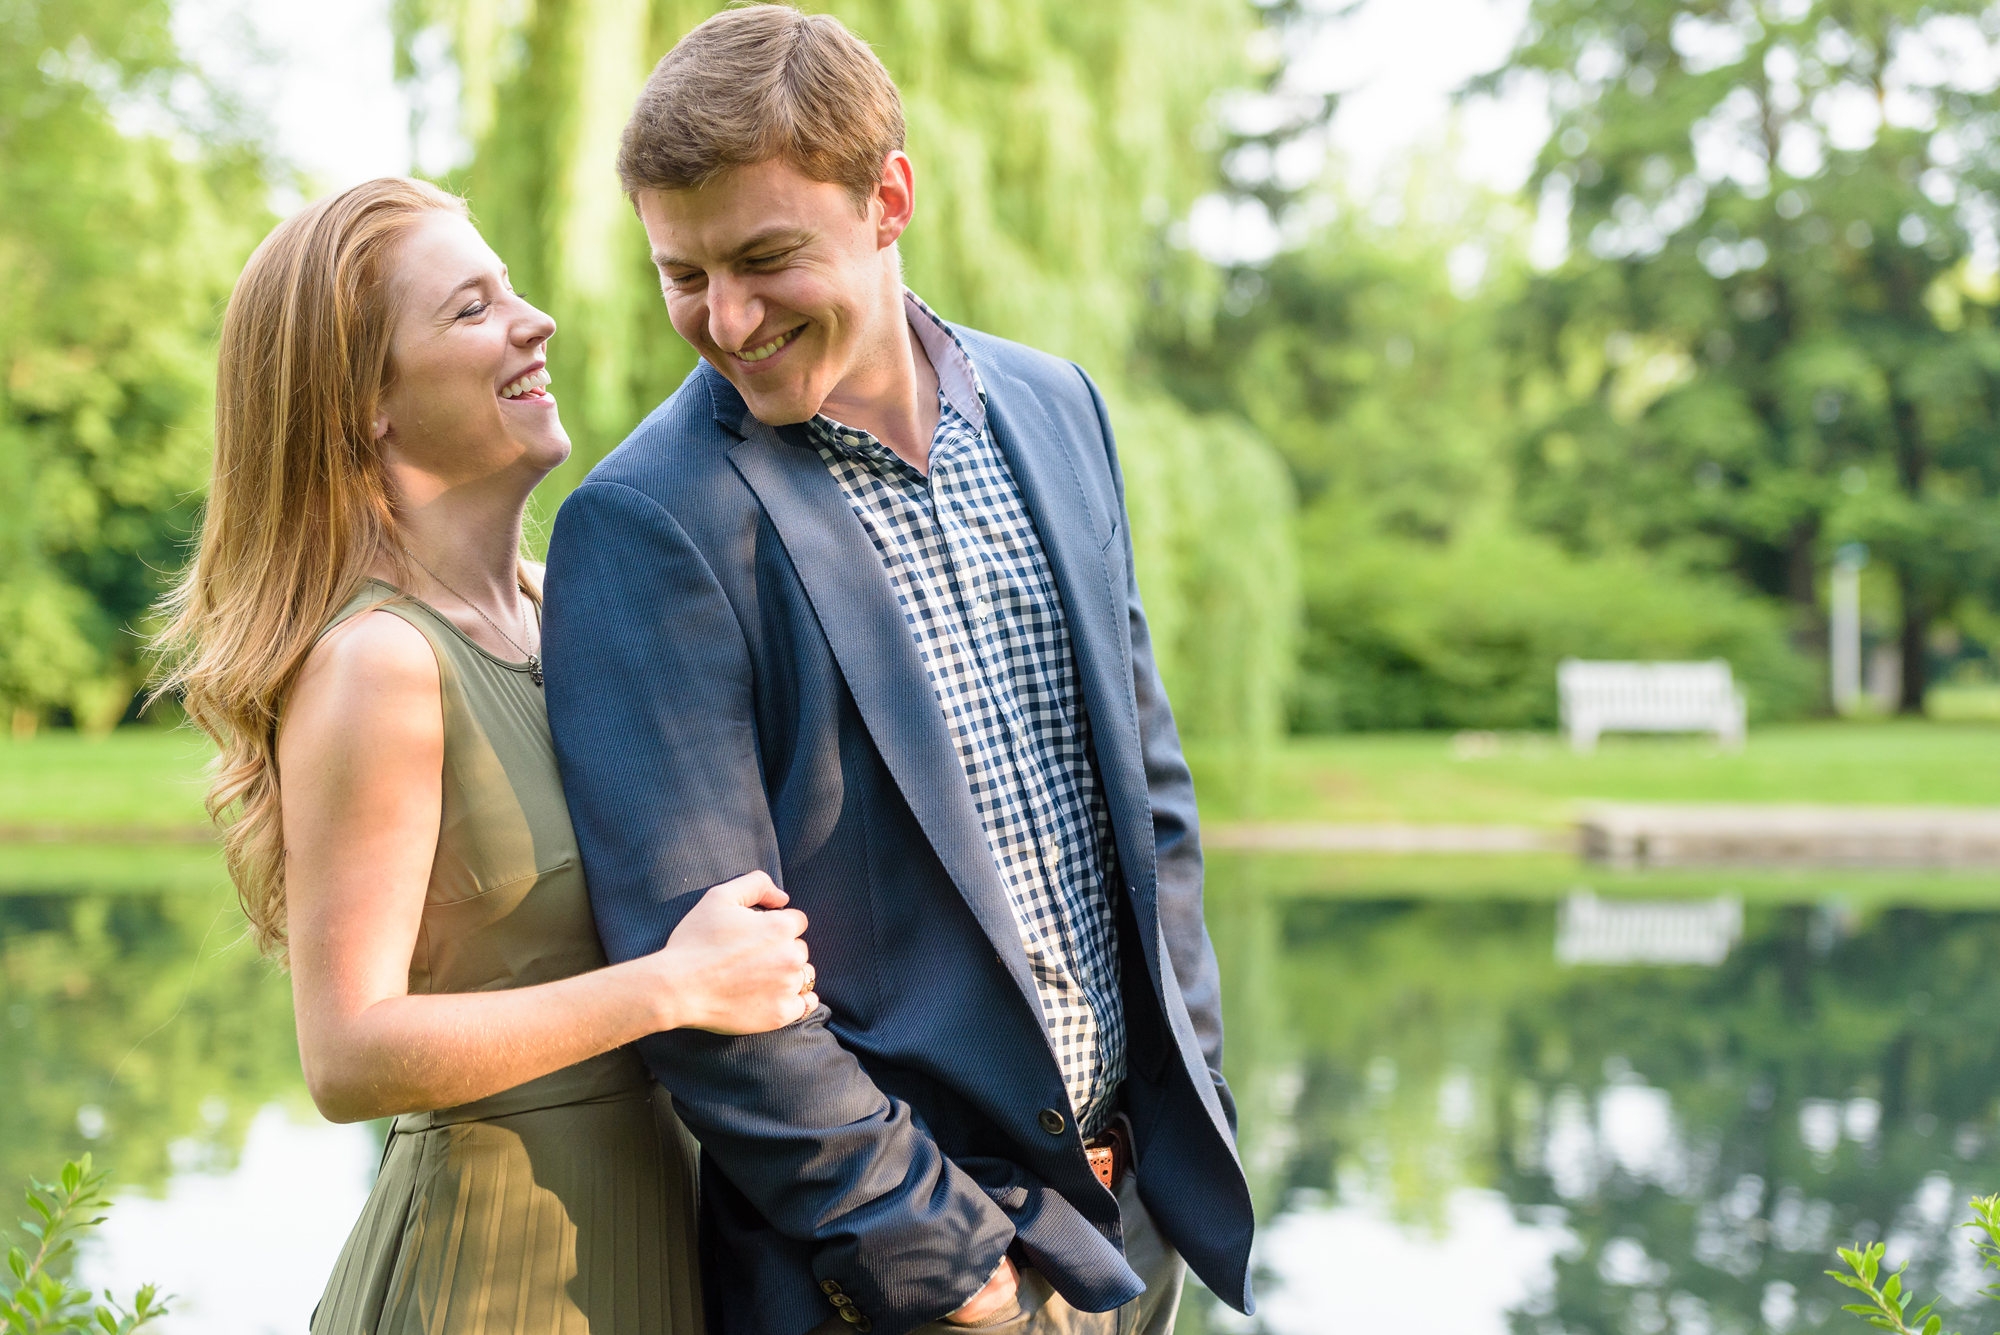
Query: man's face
[{"x": 779, "y": 280}]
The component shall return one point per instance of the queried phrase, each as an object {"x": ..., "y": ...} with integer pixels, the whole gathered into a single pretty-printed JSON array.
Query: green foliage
[
  {"x": 128, "y": 198},
  {"x": 1467, "y": 633},
  {"x": 1768, "y": 328},
  {"x": 1053, "y": 142},
  {"x": 1394, "y": 400},
  {"x": 1387, "y": 391},
  {"x": 1219, "y": 588},
  {"x": 1888, "y": 1307},
  {"x": 34, "y": 1299},
  {"x": 1888, "y": 1304},
  {"x": 1768, "y": 340}
]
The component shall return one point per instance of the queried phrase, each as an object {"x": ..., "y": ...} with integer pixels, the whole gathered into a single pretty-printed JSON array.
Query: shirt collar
[{"x": 958, "y": 378}]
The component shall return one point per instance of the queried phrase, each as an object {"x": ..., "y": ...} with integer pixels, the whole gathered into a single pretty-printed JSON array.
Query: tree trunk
[
  {"x": 1802, "y": 591},
  {"x": 1912, "y": 462},
  {"x": 1914, "y": 642}
]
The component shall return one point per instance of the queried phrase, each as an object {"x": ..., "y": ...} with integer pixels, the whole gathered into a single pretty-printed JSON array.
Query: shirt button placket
[{"x": 967, "y": 556}]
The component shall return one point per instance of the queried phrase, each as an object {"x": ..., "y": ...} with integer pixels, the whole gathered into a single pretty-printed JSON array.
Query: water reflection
[
  {"x": 139, "y": 1026},
  {"x": 142, "y": 1028},
  {"x": 1702, "y": 1136},
  {"x": 1449, "y": 1129},
  {"x": 244, "y": 1252}
]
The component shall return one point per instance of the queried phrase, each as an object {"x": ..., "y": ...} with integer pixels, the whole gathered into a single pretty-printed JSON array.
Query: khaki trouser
[{"x": 1040, "y": 1310}]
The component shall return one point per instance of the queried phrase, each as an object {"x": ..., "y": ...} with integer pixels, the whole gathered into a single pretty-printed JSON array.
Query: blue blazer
[{"x": 732, "y": 686}]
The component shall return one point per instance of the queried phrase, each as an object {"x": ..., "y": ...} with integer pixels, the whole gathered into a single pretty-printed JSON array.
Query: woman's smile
[{"x": 531, "y": 386}]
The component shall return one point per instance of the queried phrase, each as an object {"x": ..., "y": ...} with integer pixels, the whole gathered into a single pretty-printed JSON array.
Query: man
[{"x": 856, "y": 606}]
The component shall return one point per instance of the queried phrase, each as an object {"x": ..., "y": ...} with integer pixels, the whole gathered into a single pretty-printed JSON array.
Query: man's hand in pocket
[{"x": 992, "y": 1300}]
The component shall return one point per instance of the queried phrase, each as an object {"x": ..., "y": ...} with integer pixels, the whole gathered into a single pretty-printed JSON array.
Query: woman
[{"x": 359, "y": 622}]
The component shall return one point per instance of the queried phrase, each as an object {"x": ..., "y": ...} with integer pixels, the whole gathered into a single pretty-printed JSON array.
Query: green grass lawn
[
  {"x": 1549, "y": 876},
  {"x": 151, "y": 777},
  {"x": 113, "y": 868},
  {"x": 1533, "y": 779},
  {"x": 137, "y": 777}
]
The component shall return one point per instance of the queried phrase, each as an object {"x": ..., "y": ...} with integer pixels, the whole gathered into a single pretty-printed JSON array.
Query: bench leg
[{"x": 1735, "y": 728}]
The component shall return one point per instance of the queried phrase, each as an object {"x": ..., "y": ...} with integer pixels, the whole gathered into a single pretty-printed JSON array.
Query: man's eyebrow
[{"x": 781, "y": 238}]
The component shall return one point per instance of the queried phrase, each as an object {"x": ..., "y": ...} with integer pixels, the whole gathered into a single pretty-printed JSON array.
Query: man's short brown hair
[{"x": 760, "y": 82}]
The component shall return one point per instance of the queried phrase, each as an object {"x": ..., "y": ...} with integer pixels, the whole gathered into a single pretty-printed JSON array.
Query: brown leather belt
[{"x": 1110, "y": 1154}]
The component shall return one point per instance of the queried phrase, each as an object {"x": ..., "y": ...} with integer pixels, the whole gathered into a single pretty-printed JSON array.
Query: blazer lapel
[
  {"x": 1074, "y": 537},
  {"x": 842, "y": 575}
]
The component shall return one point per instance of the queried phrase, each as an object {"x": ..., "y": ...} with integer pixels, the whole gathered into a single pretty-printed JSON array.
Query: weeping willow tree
[
  {"x": 1053, "y": 142},
  {"x": 129, "y": 195}
]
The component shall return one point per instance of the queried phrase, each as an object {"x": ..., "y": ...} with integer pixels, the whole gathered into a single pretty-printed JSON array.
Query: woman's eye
[{"x": 472, "y": 310}]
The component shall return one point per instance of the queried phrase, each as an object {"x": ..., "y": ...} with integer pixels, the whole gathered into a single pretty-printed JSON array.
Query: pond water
[{"x": 1450, "y": 1125}]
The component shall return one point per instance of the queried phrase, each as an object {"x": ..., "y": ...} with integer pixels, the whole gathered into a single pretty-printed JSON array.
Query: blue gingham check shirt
[{"x": 968, "y": 569}]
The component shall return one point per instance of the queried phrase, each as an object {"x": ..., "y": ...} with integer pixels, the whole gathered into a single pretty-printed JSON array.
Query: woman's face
[{"x": 469, "y": 397}]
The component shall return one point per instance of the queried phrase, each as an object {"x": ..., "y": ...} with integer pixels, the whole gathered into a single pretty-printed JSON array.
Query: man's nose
[{"x": 734, "y": 312}]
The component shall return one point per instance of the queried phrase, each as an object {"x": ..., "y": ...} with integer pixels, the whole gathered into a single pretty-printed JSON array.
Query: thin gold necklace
[{"x": 534, "y": 660}]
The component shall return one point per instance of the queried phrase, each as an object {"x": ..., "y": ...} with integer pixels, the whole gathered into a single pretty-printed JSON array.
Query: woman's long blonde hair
[{"x": 300, "y": 506}]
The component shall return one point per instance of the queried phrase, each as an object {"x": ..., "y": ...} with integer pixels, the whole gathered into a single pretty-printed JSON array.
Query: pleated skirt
[{"x": 553, "y": 1221}]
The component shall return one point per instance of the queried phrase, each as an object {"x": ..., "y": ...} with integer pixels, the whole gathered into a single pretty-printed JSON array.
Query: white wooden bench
[{"x": 1648, "y": 697}]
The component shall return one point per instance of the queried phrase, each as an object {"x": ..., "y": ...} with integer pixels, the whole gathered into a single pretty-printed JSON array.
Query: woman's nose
[{"x": 534, "y": 326}]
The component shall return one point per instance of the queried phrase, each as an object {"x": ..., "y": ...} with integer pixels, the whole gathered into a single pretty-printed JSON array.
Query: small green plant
[
  {"x": 33, "y": 1299},
  {"x": 1888, "y": 1305}
]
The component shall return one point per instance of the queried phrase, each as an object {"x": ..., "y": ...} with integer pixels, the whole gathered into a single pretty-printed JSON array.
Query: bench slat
[{"x": 1604, "y": 696}]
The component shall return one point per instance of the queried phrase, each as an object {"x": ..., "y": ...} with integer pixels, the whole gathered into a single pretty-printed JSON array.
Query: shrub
[
  {"x": 1407, "y": 633},
  {"x": 1888, "y": 1303},
  {"x": 34, "y": 1299}
]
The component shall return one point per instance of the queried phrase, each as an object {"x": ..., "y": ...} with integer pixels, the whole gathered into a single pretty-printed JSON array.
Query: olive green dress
[{"x": 566, "y": 1204}]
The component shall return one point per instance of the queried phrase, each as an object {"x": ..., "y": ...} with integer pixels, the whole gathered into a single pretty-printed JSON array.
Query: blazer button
[
  {"x": 1051, "y": 1120},
  {"x": 829, "y": 1286}
]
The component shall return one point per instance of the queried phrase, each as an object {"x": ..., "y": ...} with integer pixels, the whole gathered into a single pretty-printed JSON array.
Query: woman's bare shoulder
[{"x": 375, "y": 666}]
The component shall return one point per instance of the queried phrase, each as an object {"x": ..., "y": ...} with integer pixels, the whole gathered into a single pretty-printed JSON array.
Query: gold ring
[{"x": 811, "y": 977}]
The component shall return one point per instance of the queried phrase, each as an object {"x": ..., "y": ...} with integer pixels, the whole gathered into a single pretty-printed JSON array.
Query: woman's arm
[{"x": 361, "y": 752}]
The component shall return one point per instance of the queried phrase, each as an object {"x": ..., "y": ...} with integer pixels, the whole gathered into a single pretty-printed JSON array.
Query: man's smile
[{"x": 763, "y": 352}]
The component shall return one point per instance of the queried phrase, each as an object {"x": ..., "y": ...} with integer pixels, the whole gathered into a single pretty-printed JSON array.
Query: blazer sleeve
[
  {"x": 1176, "y": 826},
  {"x": 649, "y": 696}
]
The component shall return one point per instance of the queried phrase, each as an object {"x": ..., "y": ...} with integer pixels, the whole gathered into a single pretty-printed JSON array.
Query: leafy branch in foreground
[
  {"x": 33, "y": 1299},
  {"x": 1888, "y": 1305}
]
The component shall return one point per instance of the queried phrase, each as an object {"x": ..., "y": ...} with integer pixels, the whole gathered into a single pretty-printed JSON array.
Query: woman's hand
[
  {"x": 1003, "y": 1288},
  {"x": 361, "y": 811},
  {"x": 736, "y": 965}
]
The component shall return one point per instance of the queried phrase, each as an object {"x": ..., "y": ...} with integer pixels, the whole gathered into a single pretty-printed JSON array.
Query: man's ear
[{"x": 896, "y": 193}]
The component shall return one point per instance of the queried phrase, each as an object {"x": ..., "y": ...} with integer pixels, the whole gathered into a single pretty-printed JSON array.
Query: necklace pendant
[{"x": 535, "y": 668}]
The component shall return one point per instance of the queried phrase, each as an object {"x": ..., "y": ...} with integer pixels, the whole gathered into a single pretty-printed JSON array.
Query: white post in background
[{"x": 1844, "y": 626}]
